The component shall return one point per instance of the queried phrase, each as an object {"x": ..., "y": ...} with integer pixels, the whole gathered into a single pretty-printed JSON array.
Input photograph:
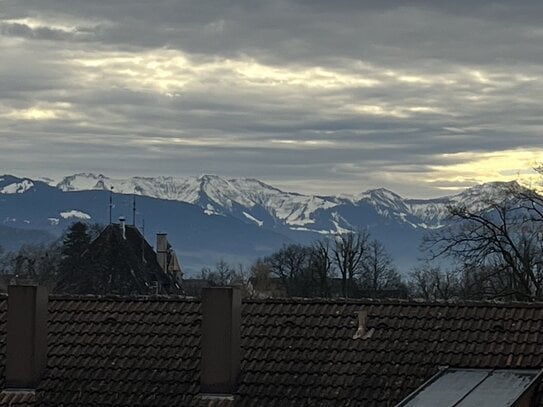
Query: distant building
[{"x": 120, "y": 261}]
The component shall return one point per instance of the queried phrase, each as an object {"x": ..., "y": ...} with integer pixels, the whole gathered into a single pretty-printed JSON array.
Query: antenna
[
  {"x": 134, "y": 209},
  {"x": 143, "y": 239},
  {"x": 110, "y": 203}
]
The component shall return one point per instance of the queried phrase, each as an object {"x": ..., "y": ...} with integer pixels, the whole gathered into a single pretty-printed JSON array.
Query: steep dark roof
[
  {"x": 145, "y": 351},
  {"x": 117, "y": 265}
]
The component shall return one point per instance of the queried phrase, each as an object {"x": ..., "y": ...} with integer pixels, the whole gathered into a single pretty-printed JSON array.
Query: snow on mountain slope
[
  {"x": 254, "y": 201},
  {"x": 75, "y": 214},
  {"x": 386, "y": 203},
  {"x": 290, "y": 208},
  {"x": 294, "y": 209},
  {"x": 17, "y": 187},
  {"x": 433, "y": 212}
]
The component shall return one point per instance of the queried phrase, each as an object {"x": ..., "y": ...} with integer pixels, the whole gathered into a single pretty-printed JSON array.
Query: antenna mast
[
  {"x": 110, "y": 203},
  {"x": 143, "y": 239},
  {"x": 134, "y": 209}
]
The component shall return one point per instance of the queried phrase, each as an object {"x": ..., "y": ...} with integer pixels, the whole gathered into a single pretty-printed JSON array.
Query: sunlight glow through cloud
[
  {"x": 471, "y": 167},
  {"x": 42, "y": 111}
]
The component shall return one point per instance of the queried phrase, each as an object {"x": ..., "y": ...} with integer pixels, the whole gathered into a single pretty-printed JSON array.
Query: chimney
[
  {"x": 26, "y": 339},
  {"x": 162, "y": 250},
  {"x": 122, "y": 223},
  {"x": 221, "y": 340}
]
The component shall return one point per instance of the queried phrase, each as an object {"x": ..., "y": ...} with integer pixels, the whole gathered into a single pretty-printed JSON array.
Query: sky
[{"x": 314, "y": 96}]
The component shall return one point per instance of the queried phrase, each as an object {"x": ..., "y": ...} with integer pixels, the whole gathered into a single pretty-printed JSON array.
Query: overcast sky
[{"x": 319, "y": 96}]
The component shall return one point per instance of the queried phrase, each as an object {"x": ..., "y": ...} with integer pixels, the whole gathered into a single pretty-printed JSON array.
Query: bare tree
[
  {"x": 222, "y": 275},
  {"x": 291, "y": 264},
  {"x": 378, "y": 272},
  {"x": 321, "y": 267},
  {"x": 225, "y": 274},
  {"x": 348, "y": 255},
  {"x": 431, "y": 283},
  {"x": 502, "y": 242}
]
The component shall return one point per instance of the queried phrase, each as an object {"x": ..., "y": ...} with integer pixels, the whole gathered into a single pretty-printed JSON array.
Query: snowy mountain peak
[
  {"x": 252, "y": 200},
  {"x": 210, "y": 178},
  {"x": 83, "y": 181},
  {"x": 385, "y": 202},
  {"x": 381, "y": 194},
  {"x": 13, "y": 185},
  {"x": 490, "y": 189}
]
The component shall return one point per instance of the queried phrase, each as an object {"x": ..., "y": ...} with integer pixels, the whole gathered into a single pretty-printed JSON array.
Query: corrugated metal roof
[{"x": 473, "y": 388}]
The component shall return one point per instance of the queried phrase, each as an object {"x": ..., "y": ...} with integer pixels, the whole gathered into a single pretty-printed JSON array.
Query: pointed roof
[{"x": 120, "y": 265}]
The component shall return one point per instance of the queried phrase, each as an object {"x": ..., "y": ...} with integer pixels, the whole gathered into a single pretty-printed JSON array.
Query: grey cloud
[{"x": 423, "y": 56}]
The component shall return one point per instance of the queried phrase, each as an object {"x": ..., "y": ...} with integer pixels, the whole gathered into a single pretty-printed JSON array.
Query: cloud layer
[{"x": 319, "y": 96}]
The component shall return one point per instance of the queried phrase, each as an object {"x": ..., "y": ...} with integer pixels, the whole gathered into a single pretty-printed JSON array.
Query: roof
[
  {"x": 474, "y": 388},
  {"x": 135, "y": 272},
  {"x": 146, "y": 351}
]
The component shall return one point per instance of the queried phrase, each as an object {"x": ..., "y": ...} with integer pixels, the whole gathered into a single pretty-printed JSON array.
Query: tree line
[{"x": 348, "y": 265}]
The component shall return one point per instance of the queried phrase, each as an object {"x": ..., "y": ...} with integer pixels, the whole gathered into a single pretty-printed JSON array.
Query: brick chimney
[
  {"x": 162, "y": 250},
  {"x": 221, "y": 340},
  {"x": 26, "y": 341}
]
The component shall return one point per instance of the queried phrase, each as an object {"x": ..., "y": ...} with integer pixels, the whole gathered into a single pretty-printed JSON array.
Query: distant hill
[{"x": 13, "y": 238}]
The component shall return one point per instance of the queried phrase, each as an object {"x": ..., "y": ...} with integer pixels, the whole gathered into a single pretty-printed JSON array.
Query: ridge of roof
[
  {"x": 298, "y": 300},
  {"x": 116, "y": 298},
  {"x": 400, "y": 301}
]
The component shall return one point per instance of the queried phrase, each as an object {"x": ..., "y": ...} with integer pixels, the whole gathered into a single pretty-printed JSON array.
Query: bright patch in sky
[{"x": 473, "y": 168}]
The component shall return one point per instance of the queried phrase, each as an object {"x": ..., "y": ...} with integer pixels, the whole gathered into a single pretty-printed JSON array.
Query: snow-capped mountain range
[
  {"x": 211, "y": 217},
  {"x": 255, "y": 201}
]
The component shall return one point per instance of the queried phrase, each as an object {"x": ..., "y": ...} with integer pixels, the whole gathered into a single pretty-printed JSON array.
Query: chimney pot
[
  {"x": 122, "y": 223},
  {"x": 26, "y": 339},
  {"x": 221, "y": 340}
]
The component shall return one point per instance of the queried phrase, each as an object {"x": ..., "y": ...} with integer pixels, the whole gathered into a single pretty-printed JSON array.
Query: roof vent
[{"x": 362, "y": 332}]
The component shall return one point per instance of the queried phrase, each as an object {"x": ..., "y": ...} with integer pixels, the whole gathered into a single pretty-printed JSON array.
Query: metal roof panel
[{"x": 473, "y": 388}]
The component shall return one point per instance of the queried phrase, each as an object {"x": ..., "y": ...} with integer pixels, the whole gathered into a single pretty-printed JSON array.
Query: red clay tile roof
[{"x": 145, "y": 352}]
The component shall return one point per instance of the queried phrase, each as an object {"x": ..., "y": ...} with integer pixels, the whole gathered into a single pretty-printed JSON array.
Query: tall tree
[
  {"x": 290, "y": 264},
  {"x": 76, "y": 241},
  {"x": 349, "y": 252},
  {"x": 378, "y": 271},
  {"x": 74, "y": 245},
  {"x": 321, "y": 267}
]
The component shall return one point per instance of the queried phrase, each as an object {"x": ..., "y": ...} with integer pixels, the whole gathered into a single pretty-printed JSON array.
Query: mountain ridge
[
  {"x": 226, "y": 195},
  {"x": 210, "y": 217}
]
